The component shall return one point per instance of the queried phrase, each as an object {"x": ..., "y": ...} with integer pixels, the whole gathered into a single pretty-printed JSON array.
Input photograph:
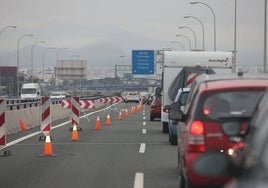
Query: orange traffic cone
[
  {"x": 120, "y": 116},
  {"x": 75, "y": 133},
  {"x": 98, "y": 124},
  {"x": 48, "y": 146},
  {"x": 108, "y": 119},
  {"x": 126, "y": 113},
  {"x": 23, "y": 125}
]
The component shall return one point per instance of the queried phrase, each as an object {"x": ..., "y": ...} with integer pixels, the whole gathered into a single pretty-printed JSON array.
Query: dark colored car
[
  {"x": 155, "y": 107},
  {"x": 211, "y": 103}
]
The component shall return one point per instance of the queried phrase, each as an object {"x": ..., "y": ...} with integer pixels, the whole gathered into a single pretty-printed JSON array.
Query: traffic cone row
[{"x": 74, "y": 137}]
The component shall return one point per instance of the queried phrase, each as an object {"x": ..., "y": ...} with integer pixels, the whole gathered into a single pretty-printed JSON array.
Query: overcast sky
[{"x": 74, "y": 24}]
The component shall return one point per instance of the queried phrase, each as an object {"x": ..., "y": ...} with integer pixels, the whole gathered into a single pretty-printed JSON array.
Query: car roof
[{"x": 219, "y": 81}]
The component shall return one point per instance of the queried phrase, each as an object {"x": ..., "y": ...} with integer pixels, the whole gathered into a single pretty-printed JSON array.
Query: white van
[{"x": 30, "y": 91}]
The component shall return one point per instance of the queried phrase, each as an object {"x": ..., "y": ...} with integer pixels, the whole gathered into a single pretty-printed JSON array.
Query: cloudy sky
[{"x": 132, "y": 24}]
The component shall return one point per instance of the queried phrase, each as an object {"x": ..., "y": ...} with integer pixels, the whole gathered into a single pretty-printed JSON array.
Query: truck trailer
[{"x": 180, "y": 68}]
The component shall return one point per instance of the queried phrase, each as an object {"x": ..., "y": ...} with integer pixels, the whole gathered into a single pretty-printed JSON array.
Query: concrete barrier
[{"x": 31, "y": 116}]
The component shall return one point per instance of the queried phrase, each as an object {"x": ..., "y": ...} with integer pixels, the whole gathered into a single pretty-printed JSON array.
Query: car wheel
[
  {"x": 151, "y": 118},
  {"x": 181, "y": 180},
  {"x": 173, "y": 139},
  {"x": 165, "y": 127}
]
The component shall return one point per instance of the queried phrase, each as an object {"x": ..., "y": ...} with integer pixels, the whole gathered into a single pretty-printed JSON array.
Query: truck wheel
[{"x": 165, "y": 127}]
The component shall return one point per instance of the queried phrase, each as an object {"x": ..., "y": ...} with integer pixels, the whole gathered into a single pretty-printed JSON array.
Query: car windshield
[
  {"x": 28, "y": 91},
  {"x": 231, "y": 103}
]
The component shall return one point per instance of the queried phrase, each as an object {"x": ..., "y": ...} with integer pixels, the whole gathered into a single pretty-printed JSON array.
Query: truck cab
[{"x": 30, "y": 91}]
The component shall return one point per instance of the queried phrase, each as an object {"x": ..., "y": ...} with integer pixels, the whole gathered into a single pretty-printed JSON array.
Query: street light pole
[
  {"x": 190, "y": 46},
  {"x": 44, "y": 61},
  {"x": 18, "y": 62},
  {"x": 178, "y": 42},
  {"x": 202, "y": 28},
  {"x": 265, "y": 37},
  {"x": 184, "y": 27},
  {"x": 32, "y": 69},
  {"x": 2, "y": 30},
  {"x": 214, "y": 17}
]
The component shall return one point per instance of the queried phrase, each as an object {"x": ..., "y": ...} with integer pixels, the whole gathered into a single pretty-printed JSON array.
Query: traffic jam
[{"x": 217, "y": 121}]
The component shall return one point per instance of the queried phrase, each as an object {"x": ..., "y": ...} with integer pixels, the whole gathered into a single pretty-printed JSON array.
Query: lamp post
[
  {"x": 214, "y": 17},
  {"x": 190, "y": 46},
  {"x": 44, "y": 61},
  {"x": 202, "y": 28},
  {"x": 184, "y": 27},
  {"x": 178, "y": 42},
  {"x": 11, "y": 26},
  {"x": 32, "y": 69},
  {"x": 18, "y": 62},
  {"x": 58, "y": 51},
  {"x": 265, "y": 37}
]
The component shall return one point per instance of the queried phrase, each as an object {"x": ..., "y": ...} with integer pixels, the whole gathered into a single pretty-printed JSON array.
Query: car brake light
[
  {"x": 197, "y": 128},
  {"x": 206, "y": 111},
  {"x": 196, "y": 137}
]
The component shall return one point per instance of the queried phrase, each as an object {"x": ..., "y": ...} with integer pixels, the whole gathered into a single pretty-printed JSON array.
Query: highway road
[{"x": 132, "y": 152}]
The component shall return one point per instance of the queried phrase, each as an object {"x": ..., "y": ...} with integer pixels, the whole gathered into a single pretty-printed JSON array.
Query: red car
[
  {"x": 212, "y": 102},
  {"x": 155, "y": 108}
]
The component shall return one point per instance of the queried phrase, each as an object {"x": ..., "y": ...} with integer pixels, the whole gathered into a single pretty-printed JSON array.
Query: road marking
[
  {"x": 138, "y": 181},
  {"x": 144, "y": 118},
  {"x": 142, "y": 148},
  {"x": 144, "y": 123},
  {"x": 143, "y": 131},
  {"x": 54, "y": 127},
  {"x": 143, "y": 113}
]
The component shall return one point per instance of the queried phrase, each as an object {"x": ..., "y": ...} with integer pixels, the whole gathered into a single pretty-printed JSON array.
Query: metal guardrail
[{"x": 16, "y": 104}]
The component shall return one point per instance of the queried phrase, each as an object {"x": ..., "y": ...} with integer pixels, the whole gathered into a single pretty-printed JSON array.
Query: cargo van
[{"x": 30, "y": 91}]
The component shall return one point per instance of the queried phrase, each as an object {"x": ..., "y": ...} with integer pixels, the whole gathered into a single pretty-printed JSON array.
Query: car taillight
[{"x": 196, "y": 137}]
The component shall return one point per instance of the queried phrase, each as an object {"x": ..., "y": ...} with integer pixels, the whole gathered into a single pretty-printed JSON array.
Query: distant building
[
  {"x": 71, "y": 70},
  {"x": 8, "y": 80}
]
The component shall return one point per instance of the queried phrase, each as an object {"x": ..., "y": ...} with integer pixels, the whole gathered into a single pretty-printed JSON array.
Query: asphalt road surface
[{"x": 130, "y": 153}]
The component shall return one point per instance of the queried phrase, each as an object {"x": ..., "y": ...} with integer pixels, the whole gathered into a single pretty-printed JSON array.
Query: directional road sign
[{"x": 143, "y": 61}]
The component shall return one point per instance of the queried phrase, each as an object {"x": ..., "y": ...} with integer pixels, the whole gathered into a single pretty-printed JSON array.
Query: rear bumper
[{"x": 196, "y": 179}]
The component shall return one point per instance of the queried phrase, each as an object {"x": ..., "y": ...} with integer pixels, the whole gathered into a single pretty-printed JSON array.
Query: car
[
  {"x": 214, "y": 100},
  {"x": 155, "y": 107},
  {"x": 251, "y": 170},
  {"x": 180, "y": 98},
  {"x": 59, "y": 95},
  {"x": 132, "y": 97}
]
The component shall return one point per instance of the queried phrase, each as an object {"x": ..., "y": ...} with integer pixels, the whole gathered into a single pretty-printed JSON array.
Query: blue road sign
[{"x": 142, "y": 61}]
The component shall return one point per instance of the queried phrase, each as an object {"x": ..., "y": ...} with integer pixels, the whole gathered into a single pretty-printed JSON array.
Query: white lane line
[
  {"x": 143, "y": 131},
  {"x": 54, "y": 127},
  {"x": 144, "y": 123},
  {"x": 138, "y": 181},
  {"x": 144, "y": 117},
  {"x": 142, "y": 148},
  {"x": 143, "y": 114}
]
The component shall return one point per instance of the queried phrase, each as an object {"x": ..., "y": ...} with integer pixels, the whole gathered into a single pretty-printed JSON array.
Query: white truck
[
  {"x": 175, "y": 61},
  {"x": 30, "y": 91}
]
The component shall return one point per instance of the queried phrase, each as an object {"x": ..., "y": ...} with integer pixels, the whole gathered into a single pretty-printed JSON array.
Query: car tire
[
  {"x": 173, "y": 139},
  {"x": 165, "y": 127},
  {"x": 151, "y": 118},
  {"x": 181, "y": 180}
]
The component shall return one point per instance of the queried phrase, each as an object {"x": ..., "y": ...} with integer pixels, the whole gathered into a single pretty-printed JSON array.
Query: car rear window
[{"x": 231, "y": 104}]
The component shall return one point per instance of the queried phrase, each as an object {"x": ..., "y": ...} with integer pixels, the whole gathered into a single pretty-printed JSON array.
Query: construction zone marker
[
  {"x": 48, "y": 152},
  {"x": 74, "y": 133},
  {"x": 23, "y": 125},
  {"x": 108, "y": 120},
  {"x": 3, "y": 129},
  {"x": 120, "y": 115},
  {"x": 98, "y": 124},
  {"x": 126, "y": 113}
]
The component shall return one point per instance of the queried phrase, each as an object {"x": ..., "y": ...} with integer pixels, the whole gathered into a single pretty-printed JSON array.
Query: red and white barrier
[
  {"x": 75, "y": 110},
  {"x": 86, "y": 104},
  {"x": 45, "y": 115},
  {"x": 66, "y": 104},
  {"x": 2, "y": 123},
  {"x": 111, "y": 100}
]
